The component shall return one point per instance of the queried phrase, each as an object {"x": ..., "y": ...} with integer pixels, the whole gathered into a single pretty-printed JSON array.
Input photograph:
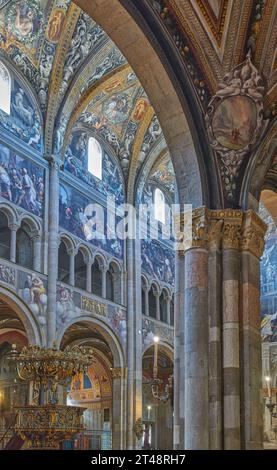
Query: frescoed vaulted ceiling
[{"x": 81, "y": 77}]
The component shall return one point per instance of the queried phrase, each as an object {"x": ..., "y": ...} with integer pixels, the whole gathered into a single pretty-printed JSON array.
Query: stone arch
[
  {"x": 68, "y": 241},
  {"x": 10, "y": 213},
  {"x": 165, "y": 347},
  {"x": 34, "y": 332},
  {"x": 101, "y": 259},
  {"x": 102, "y": 328},
  {"x": 255, "y": 176},
  {"x": 32, "y": 223},
  {"x": 133, "y": 36}
]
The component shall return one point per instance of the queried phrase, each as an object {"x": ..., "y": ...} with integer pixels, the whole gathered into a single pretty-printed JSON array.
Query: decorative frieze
[
  {"x": 93, "y": 306},
  {"x": 118, "y": 372}
]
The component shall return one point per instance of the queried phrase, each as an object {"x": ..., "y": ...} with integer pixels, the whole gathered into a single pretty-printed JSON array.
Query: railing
[{"x": 90, "y": 440}]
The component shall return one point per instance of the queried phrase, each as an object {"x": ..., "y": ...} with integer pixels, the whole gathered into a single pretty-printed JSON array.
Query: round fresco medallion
[
  {"x": 24, "y": 20},
  {"x": 116, "y": 109},
  {"x": 234, "y": 122}
]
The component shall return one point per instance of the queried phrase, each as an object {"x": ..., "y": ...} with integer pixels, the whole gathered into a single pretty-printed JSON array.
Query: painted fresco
[
  {"x": 234, "y": 122},
  {"x": 68, "y": 305},
  {"x": 33, "y": 290},
  {"x": 21, "y": 181},
  {"x": 158, "y": 260},
  {"x": 23, "y": 120},
  {"x": 72, "y": 211},
  {"x": 269, "y": 281},
  {"x": 76, "y": 162}
]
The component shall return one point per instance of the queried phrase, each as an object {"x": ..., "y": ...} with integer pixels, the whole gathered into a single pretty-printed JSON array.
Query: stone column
[
  {"x": 168, "y": 300},
  {"x": 134, "y": 344},
  {"x": 252, "y": 245},
  {"x": 215, "y": 334},
  {"x": 89, "y": 263},
  {"x": 119, "y": 383},
  {"x": 230, "y": 328},
  {"x": 13, "y": 228},
  {"x": 36, "y": 238},
  {"x": 157, "y": 297},
  {"x": 104, "y": 281},
  {"x": 179, "y": 354},
  {"x": 52, "y": 249},
  {"x": 196, "y": 337},
  {"x": 72, "y": 253},
  {"x": 146, "y": 297}
]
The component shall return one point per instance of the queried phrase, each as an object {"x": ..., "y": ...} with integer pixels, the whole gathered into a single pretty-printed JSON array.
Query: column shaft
[{"x": 196, "y": 350}]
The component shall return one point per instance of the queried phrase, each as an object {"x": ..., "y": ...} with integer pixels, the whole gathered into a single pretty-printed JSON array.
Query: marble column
[
  {"x": 179, "y": 355},
  {"x": 89, "y": 263},
  {"x": 252, "y": 245},
  {"x": 215, "y": 335},
  {"x": 104, "y": 270},
  {"x": 230, "y": 328},
  {"x": 13, "y": 228},
  {"x": 36, "y": 238},
  {"x": 157, "y": 298},
  {"x": 134, "y": 343},
  {"x": 118, "y": 387},
  {"x": 146, "y": 299},
  {"x": 168, "y": 300},
  {"x": 72, "y": 253},
  {"x": 52, "y": 249},
  {"x": 196, "y": 336}
]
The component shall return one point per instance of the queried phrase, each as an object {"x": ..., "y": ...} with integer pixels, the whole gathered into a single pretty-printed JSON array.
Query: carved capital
[
  {"x": 13, "y": 227},
  {"x": 253, "y": 232},
  {"x": 226, "y": 228},
  {"x": 118, "y": 372},
  {"x": 200, "y": 225}
]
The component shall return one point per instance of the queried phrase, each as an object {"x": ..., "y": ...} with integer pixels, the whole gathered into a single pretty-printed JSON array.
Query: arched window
[
  {"x": 63, "y": 263},
  {"x": 95, "y": 158},
  {"x": 80, "y": 271},
  {"x": 96, "y": 279},
  {"x": 5, "y": 237},
  {"x": 152, "y": 303},
  {"x": 24, "y": 247},
  {"x": 5, "y": 89},
  {"x": 159, "y": 205},
  {"x": 143, "y": 310},
  {"x": 109, "y": 285}
]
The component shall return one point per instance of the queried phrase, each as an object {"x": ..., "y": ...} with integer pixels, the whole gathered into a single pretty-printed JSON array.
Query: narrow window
[
  {"x": 159, "y": 203},
  {"x": 5, "y": 89},
  {"x": 95, "y": 158}
]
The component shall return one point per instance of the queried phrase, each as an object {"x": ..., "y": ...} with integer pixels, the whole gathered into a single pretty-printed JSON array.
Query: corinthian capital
[{"x": 253, "y": 232}]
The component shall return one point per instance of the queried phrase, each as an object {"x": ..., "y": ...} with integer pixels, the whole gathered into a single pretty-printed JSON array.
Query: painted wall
[
  {"x": 23, "y": 120},
  {"x": 72, "y": 213},
  {"x": 76, "y": 162},
  {"x": 269, "y": 281},
  {"x": 21, "y": 181}
]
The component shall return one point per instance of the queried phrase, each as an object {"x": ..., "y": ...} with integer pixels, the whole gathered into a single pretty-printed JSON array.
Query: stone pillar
[
  {"x": 230, "y": 328},
  {"x": 157, "y": 297},
  {"x": 215, "y": 335},
  {"x": 146, "y": 297},
  {"x": 179, "y": 355},
  {"x": 13, "y": 228},
  {"x": 104, "y": 281},
  {"x": 36, "y": 238},
  {"x": 134, "y": 344},
  {"x": 168, "y": 300},
  {"x": 196, "y": 336},
  {"x": 72, "y": 253},
  {"x": 89, "y": 263},
  {"x": 118, "y": 387},
  {"x": 252, "y": 245},
  {"x": 52, "y": 249}
]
